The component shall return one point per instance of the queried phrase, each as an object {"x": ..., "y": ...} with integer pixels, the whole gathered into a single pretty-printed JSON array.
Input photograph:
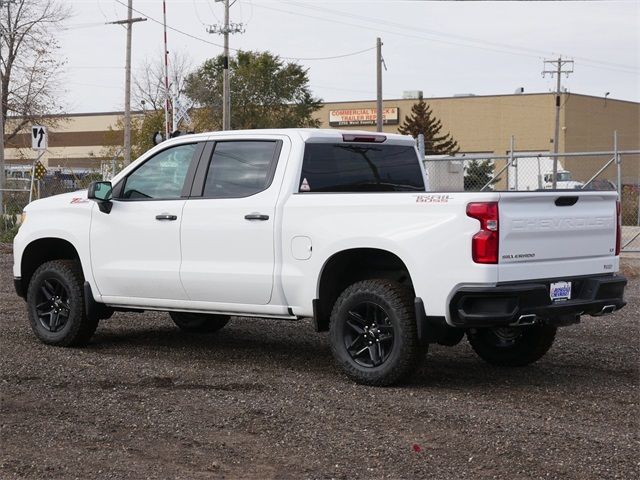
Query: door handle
[
  {"x": 256, "y": 216},
  {"x": 166, "y": 216}
]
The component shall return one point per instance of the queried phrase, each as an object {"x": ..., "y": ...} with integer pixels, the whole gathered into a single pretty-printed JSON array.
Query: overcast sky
[{"x": 441, "y": 48}]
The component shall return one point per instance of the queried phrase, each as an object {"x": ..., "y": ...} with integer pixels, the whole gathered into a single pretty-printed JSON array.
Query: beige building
[
  {"x": 485, "y": 124},
  {"x": 480, "y": 124}
]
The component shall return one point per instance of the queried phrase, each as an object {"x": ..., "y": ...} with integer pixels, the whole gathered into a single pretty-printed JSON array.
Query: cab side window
[{"x": 162, "y": 176}]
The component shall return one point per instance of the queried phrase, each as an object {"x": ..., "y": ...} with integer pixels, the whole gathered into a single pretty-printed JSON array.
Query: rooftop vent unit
[
  {"x": 519, "y": 91},
  {"x": 464, "y": 94},
  {"x": 412, "y": 94}
]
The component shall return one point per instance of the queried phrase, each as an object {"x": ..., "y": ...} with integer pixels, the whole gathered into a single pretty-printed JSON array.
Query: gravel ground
[{"x": 262, "y": 399}]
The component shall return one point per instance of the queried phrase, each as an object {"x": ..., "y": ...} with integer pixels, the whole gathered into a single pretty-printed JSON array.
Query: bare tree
[
  {"x": 148, "y": 81},
  {"x": 29, "y": 60},
  {"x": 29, "y": 64}
]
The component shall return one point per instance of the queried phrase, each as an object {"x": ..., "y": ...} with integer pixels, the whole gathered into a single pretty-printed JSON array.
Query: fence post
[
  {"x": 618, "y": 163},
  {"x": 33, "y": 174},
  {"x": 511, "y": 144}
]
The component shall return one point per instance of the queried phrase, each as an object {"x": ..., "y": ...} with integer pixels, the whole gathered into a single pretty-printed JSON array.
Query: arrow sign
[{"x": 39, "y": 140}]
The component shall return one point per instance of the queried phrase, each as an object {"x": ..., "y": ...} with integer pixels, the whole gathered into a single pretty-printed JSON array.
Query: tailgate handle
[{"x": 566, "y": 201}]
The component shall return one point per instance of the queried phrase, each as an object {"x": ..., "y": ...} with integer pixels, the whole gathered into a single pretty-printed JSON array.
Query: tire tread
[
  {"x": 538, "y": 341},
  {"x": 400, "y": 299},
  {"x": 80, "y": 331}
]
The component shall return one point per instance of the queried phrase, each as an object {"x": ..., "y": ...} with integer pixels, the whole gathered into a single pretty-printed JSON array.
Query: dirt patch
[{"x": 263, "y": 399}]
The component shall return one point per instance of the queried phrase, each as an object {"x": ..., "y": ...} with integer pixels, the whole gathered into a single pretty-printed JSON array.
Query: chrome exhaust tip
[
  {"x": 607, "y": 309},
  {"x": 523, "y": 320}
]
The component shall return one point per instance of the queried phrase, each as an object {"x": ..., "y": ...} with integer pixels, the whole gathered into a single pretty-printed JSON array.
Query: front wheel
[
  {"x": 55, "y": 300},
  {"x": 373, "y": 333},
  {"x": 199, "y": 322},
  {"x": 512, "y": 346}
]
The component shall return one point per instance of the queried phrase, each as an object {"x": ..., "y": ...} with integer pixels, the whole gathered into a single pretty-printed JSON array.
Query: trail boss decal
[
  {"x": 79, "y": 200},
  {"x": 433, "y": 199}
]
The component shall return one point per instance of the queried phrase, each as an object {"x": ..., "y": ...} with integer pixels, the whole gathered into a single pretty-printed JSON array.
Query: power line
[
  {"x": 195, "y": 7},
  {"x": 517, "y": 50},
  {"x": 203, "y": 40},
  {"x": 407, "y": 35}
]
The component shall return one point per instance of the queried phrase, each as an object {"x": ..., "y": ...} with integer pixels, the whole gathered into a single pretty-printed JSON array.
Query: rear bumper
[{"x": 516, "y": 303}]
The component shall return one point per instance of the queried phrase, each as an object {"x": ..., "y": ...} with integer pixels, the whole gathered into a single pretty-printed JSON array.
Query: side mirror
[{"x": 100, "y": 192}]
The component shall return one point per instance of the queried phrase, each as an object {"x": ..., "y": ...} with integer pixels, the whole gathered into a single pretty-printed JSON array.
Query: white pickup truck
[{"x": 337, "y": 226}]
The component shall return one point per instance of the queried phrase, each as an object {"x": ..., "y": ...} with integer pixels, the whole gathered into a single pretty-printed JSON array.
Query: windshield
[{"x": 564, "y": 176}]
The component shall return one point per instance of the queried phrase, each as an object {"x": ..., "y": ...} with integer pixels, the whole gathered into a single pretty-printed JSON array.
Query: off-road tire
[
  {"x": 530, "y": 345},
  {"x": 198, "y": 322},
  {"x": 77, "y": 329},
  {"x": 404, "y": 355}
]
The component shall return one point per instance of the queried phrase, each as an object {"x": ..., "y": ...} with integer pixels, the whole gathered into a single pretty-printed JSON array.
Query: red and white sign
[{"x": 363, "y": 116}]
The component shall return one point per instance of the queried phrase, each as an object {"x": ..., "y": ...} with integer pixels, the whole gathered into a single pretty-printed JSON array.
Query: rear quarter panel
[{"x": 429, "y": 232}]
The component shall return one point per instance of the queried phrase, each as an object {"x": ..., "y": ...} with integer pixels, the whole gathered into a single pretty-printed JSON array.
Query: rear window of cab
[{"x": 360, "y": 167}]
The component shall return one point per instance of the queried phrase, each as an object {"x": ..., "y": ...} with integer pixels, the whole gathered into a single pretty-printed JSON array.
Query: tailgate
[{"x": 557, "y": 226}]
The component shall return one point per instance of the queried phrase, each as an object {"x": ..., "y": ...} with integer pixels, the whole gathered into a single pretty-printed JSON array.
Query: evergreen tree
[
  {"x": 423, "y": 121},
  {"x": 479, "y": 173}
]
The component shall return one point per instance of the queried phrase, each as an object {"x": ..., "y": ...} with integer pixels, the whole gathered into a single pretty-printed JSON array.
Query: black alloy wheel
[
  {"x": 55, "y": 300},
  {"x": 373, "y": 332},
  {"x": 512, "y": 346},
  {"x": 368, "y": 334},
  {"x": 504, "y": 337},
  {"x": 52, "y": 304}
]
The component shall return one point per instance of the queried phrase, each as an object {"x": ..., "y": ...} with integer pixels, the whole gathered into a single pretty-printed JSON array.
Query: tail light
[
  {"x": 618, "y": 227},
  {"x": 484, "y": 245}
]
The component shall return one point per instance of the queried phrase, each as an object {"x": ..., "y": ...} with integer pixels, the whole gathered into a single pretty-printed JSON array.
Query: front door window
[{"x": 162, "y": 176}]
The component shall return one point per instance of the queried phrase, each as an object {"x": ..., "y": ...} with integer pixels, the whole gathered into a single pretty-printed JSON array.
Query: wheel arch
[
  {"x": 348, "y": 266},
  {"x": 44, "y": 250}
]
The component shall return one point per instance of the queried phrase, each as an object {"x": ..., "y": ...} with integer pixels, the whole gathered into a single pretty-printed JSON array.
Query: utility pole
[
  {"x": 225, "y": 30},
  {"x": 127, "y": 80},
  {"x": 167, "y": 94},
  {"x": 557, "y": 70},
  {"x": 379, "y": 118}
]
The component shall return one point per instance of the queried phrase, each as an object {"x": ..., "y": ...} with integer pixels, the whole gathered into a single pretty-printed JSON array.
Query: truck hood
[{"x": 76, "y": 199}]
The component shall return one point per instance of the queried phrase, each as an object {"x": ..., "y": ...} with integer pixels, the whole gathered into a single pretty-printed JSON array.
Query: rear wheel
[
  {"x": 373, "y": 333},
  {"x": 512, "y": 346},
  {"x": 55, "y": 300},
  {"x": 199, "y": 322}
]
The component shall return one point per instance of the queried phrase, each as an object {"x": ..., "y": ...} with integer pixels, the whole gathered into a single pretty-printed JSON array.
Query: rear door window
[
  {"x": 240, "y": 168},
  {"x": 329, "y": 167}
]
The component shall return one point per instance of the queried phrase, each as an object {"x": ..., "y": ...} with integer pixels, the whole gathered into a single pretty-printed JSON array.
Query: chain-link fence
[
  {"x": 522, "y": 171},
  {"x": 517, "y": 171},
  {"x": 21, "y": 188}
]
